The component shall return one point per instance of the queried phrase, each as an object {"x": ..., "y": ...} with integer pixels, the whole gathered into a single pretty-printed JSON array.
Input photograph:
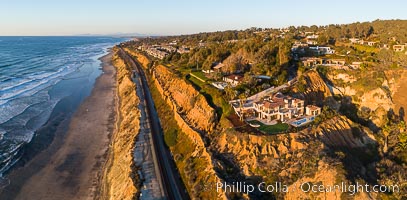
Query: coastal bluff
[
  {"x": 192, "y": 118},
  {"x": 120, "y": 178}
]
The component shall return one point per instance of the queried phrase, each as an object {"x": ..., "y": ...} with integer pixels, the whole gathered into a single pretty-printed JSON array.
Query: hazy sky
[{"x": 71, "y": 17}]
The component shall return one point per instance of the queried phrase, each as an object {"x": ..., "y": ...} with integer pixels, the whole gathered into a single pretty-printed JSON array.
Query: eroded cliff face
[
  {"x": 191, "y": 106},
  {"x": 297, "y": 158},
  {"x": 340, "y": 132},
  {"x": 194, "y": 119},
  {"x": 316, "y": 91},
  {"x": 120, "y": 178},
  {"x": 144, "y": 61},
  {"x": 369, "y": 90}
]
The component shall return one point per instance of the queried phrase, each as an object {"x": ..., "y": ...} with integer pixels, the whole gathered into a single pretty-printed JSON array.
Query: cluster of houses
[
  {"x": 301, "y": 47},
  {"x": 396, "y": 47},
  {"x": 362, "y": 42},
  {"x": 160, "y": 51},
  {"x": 277, "y": 107},
  {"x": 156, "y": 52},
  {"x": 335, "y": 63}
]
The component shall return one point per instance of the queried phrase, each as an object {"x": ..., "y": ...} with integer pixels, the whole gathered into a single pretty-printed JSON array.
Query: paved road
[{"x": 171, "y": 182}]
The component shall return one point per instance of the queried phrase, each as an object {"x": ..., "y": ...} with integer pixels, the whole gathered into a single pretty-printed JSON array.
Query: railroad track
[{"x": 173, "y": 186}]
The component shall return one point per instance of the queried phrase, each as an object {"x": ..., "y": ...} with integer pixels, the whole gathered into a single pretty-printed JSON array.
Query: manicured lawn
[
  {"x": 277, "y": 128},
  {"x": 200, "y": 75}
]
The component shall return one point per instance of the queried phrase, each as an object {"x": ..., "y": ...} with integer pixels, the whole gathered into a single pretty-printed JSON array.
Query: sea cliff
[{"x": 120, "y": 176}]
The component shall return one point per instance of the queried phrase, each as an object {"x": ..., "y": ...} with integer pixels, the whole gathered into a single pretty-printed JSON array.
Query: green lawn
[
  {"x": 200, "y": 75},
  {"x": 196, "y": 81},
  {"x": 277, "y": 128}
]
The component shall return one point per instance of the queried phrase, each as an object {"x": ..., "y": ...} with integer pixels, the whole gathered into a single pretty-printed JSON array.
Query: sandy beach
[{"x": 70, "y": 168}]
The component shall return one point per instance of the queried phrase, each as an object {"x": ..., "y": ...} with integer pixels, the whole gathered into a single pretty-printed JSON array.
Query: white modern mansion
[
  {"x": 278, "y": 107},
  {"x": 275, "y": 107}
]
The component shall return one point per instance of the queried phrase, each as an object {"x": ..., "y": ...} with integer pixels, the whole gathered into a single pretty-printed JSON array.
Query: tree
[
  {"x": 282, "y": 78},
  {"x": 402, "y": 144},
  {"x": 249, "y": 79},
  {"x": 230, "y": 93},
  {"x": 207, "y": 64},
  {"x": 385, "y": 56},
  {"x": 234, "y": 63},
  {"x": 322, "y": 39},
  {"x": 284, "y": 52},
  {"x": 301, "y": 69}
]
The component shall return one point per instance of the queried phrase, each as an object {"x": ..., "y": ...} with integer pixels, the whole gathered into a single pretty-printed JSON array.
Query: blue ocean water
[{"x": 38, "y": 73}]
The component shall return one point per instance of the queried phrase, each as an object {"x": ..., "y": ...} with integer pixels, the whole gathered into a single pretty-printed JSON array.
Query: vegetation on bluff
[{"x": 358, "y": 137}]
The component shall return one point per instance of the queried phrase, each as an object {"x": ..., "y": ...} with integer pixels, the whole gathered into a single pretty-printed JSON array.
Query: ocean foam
[{"x": 26, "y": 78}]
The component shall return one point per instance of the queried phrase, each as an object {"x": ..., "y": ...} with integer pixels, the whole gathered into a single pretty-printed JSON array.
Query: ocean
[{"x": 43, "y": 79}]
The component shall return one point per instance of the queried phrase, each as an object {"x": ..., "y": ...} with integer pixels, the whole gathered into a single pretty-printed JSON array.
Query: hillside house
[
  {"x": 370, "y": 43},
  {"x": 334, "y": 62},
  {"x": 311, "y": 61},
  {"x": 279, "y": 107},
  {"x": 322, "y": 50},
  {"x": 218, "y": 67},
  {"x": 233, "y": 79},
  {"x": 312, "y": 110},
  {"x": 356, "y": 65},
  {"x": 398, "y": 48}
]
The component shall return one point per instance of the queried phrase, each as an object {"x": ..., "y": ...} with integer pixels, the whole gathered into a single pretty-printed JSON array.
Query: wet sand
[
  {"x": 70, "y": 168},
  {"x": 400, "y": 96}
]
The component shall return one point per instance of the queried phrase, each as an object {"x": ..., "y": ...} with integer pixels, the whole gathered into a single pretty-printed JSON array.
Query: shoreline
[{"x": 71, "y": 165}]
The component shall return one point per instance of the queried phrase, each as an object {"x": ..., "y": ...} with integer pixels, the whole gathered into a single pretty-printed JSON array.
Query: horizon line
[{"x": 135, "y": 35}]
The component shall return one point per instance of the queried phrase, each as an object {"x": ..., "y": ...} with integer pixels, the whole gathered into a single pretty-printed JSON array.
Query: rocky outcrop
[
  {"x": 327, "y": 176},
  {"x": 296, "y": 158},
  {"x": 376, "y": 98},
  {"x": 120, "y": 178},
  {"x": 344, "y": 91},
  {"x": 316, "y": 90},
  {"x": 253, "y": 151},
  {"x": 338, "y": 132}
]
